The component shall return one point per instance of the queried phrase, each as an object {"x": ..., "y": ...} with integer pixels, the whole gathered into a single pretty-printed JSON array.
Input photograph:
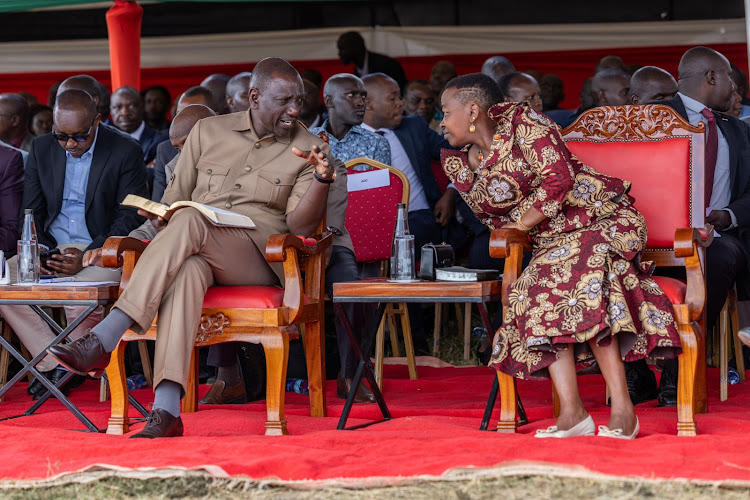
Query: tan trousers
[
  {"x": 172, "y": 276},
  {"x": 34, "y": 332}
]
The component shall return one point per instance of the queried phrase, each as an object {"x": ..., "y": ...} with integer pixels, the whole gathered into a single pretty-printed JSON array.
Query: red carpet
[{"x": 435, "y": 430}]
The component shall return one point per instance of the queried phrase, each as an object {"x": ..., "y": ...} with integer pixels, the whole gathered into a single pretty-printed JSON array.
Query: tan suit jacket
[{"x": 226, "y": 165}]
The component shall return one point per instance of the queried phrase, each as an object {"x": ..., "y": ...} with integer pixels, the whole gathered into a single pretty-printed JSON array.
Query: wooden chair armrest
[
  {"x": 502, "y": 239},
  {"x": 688, "y": 244},
  {"x": 509, "y": 244},
  {"x": 288, "y": 248},
  {"x": 279, "y": 243},
  {"x": 116, "y": 246}
]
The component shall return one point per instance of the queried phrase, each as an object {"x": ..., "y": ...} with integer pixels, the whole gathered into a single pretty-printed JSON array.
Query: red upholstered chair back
[
  {"x": 371, "y": 213},
  {"x": 659, "y": 153}
]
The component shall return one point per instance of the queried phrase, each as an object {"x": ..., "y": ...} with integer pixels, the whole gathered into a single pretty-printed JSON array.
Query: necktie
[
  {"x": 712, "y": 149},
  {"x": 380, "y": 132}
]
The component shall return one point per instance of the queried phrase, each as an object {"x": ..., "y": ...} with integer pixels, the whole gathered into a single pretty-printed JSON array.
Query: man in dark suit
[
  {"x": 352, "y": 50},
  {"x": 165, "y": 151},
  {"x": 75, "y": 179},
  {"x": 126, "y": 108},
  {"x": 11, "y": 194},
  {"x": 413, "y": 148},
  {"x": 704, "y": 91}
]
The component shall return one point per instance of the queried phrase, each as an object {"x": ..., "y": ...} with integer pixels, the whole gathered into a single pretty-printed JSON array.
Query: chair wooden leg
[
  {"x": 734, "y": 316},
  {"x": 379, "y": 352},
  {"x": 276, "y": 346},
  {"x": 467, "y": 331},
  {"x": 391, "y": 313},
  {"x": 5, "y": 357},
  {"x": 508, "y": 403},
  {"x": 190, "y": 401},
  {"x": 316, "y": 368},
  {"x": 555, "y": 402},
  {"x": 436, "y": 328},
  {"x": 689, "y": 368},
  {"x": 408, "y": 343},
  {"x": 146, "y": 362},
  {"x": 724, "y": 332},
  {"x": 119, "y": 422}
]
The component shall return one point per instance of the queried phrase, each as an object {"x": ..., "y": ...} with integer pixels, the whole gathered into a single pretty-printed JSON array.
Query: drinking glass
[
  {"x": 403, "y": 261},
  {"x": 28, "y": 261}
]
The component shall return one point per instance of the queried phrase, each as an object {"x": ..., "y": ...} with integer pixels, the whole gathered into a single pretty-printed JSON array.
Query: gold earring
[{"x": 472, "y": 128}]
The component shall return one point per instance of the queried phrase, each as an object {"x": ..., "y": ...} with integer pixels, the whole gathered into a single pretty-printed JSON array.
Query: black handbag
[{"x": 433, "y": 257}]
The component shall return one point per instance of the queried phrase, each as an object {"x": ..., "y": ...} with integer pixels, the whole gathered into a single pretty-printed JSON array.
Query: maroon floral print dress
[{"x": 585, "y": 280}]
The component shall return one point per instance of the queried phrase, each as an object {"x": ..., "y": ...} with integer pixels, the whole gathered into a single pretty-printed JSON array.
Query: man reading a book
[{"x": 262, "y": 164}]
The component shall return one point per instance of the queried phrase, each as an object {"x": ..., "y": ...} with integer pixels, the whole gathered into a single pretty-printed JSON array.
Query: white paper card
[{"x": 368, "y": 180}]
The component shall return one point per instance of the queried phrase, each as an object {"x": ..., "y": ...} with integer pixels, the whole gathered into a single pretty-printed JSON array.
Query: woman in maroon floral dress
[{"x": 585, "y": 294}]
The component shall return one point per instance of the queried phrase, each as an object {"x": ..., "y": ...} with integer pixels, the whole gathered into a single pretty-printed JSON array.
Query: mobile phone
[{"x": 45, "y": 256}]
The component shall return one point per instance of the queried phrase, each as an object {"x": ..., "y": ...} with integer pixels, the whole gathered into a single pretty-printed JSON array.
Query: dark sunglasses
[{"x": 77, "y": 137}]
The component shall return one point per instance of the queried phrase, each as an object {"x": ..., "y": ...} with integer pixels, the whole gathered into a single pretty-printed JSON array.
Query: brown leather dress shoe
[
  {"x": 81, "y": 356},
  {"x": 363, "y": 394},
  {"x": 221, "y": 394},
  {"x": 161, "y": 423}
]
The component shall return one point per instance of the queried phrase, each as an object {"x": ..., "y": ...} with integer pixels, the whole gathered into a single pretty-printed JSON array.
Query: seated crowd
[{"x": 72, "y": 161}]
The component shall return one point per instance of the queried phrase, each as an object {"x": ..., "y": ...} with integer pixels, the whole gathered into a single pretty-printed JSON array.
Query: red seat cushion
[
  {"x": 243, "y": 297},
  {"x": 674, "y": 289}
]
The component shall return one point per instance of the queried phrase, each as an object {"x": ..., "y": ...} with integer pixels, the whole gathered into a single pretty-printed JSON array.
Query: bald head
[
  {"x": 217, "y": 84},
  {"x": 650, "y": 84},
  {"x": 75, "y": 121},
  {"x": 705, "y": 75},
  {"x": 196, "y": 95},
  {"x": 77, "y": 101},
  {"x": 610, "y": 62},
  {"x": 497, "y": 66},
  {"x": 610, "y": 87},
  {"x": 270, "y": 68},
  {"x": 184, "y": 122},
  {"x": 237, "y": 89},
  {"x": 86, "y": 83},
  {"x": 384, "y": 107},
  {"x": 14, "y": 116},
  {"x": 337, "y": 81}
]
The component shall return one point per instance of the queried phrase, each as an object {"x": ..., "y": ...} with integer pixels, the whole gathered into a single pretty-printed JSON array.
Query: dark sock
[
  {"x": 167, "y": 397},
  {"x": 230, "y": 375},
  {"x": 112, "y": 328}
]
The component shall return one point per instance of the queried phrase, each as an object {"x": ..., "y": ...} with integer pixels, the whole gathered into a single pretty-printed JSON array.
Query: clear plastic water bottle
[
  {"x": 298, "y": 385},
  {"x": 137, "y": 381},
  {"x": 28, "y": 250}
]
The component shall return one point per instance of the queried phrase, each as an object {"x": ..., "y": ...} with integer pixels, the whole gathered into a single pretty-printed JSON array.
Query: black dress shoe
[
  {"x": 54, "y": 376},
  {"x": 81, "y": 356},
  {"x": 161, "y": 423},
  {"x": 667, "y": 389},
  {"x": 641, "y": 383},
  {"x": 362, "y": 395}
]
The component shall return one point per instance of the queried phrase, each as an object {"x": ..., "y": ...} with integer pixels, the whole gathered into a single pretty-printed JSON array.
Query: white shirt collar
[{"x": 692, "y": 104}]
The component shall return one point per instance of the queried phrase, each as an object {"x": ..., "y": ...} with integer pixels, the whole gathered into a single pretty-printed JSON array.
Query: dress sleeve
[{"x": 545, "y": 151}]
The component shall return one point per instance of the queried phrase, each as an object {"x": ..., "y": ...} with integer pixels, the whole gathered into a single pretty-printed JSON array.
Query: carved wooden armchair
[
  {"x": 256, "y": 314},
  {"x": 662, "y": 156}
]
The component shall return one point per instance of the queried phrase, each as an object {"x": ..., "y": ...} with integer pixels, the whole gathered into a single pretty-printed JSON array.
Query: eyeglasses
[{"x": 76, "y": 137}]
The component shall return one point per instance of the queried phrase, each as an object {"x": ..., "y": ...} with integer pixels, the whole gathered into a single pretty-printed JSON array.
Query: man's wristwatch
[{"x": 324, "y": 180}]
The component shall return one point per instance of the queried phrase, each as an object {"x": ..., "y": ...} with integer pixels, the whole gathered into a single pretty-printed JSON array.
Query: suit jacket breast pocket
[
  {"x": 211, "y": 175},
  {"x": 273, "y": 189}
]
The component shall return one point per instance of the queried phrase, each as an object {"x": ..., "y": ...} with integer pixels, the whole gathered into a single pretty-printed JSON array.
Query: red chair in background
[
  {"x": 662, "y": 156},
  {"x": 370, "y": 220}
]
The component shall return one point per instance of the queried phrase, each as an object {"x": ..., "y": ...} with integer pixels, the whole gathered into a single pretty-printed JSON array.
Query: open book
[{"x": 217, "y": 216}]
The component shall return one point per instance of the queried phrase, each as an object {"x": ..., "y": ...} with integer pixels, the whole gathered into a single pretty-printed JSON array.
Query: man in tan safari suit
[{"x": 259, "y": 163}]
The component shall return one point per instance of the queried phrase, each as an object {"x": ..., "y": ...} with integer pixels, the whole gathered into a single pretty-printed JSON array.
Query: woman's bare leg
[
  {"x": 622, "y": 415},
  {"x": 563, "y": 375}
]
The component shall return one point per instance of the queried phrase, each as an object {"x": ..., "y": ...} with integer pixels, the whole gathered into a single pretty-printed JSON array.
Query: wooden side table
[
  {"x": 38, "y": 296},
  {"x": 384, "y": 291}
]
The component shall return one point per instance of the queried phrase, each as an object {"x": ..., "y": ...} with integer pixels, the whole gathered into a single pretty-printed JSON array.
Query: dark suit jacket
[
  {"x": 117, "y": 170},
  {"x": 422, "y": 145},
  {"x": 381, "y": 63},
  {"x": 164, "y": 154},
  {"x": 11, "y": 195},
  {"x": 150, "y": 139},
  {"x": 737, "y": 134}
]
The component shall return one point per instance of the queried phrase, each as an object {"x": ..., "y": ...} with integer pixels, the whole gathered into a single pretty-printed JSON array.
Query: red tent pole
[{"x": 124, "y": 27}]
